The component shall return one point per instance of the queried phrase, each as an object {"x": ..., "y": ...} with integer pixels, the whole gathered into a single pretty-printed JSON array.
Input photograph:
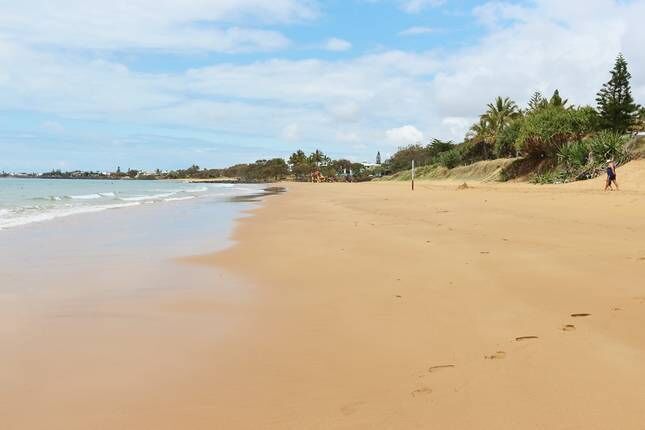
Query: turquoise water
[{"x": 26, "y": 201}]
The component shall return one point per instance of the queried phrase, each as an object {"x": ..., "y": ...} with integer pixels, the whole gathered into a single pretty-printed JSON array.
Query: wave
[
  {"x": 151, "y": 197},
  {"x": 179, "y": 199},
  {"x": 197, "y": 190},
  {"x": 86, "y": 197},
  {"x": 58, "y": 213}
]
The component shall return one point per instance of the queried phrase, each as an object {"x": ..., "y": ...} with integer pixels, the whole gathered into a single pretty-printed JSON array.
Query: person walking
[{"x": 611, "y": 176}]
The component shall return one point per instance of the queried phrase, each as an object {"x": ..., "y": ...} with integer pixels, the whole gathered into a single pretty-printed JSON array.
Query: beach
[{"x": 360, "y": 306}]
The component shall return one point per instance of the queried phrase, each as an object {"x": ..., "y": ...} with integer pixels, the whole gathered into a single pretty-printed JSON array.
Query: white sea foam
[
  {"x": 47, "y": 215},
  {"x": 107, "y": 194},
  {"x": 86, "y": 197},
  {"x": 179, "y": 199},
  {"x": 150, "y": 197},
  {"x": 197, "y": 190}
]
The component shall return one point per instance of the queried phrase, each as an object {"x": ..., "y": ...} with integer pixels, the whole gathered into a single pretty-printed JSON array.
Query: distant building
[{"x": 370, "y": 165}]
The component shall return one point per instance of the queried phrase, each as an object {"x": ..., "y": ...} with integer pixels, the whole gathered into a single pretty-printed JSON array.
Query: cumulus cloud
[
  {"x": 545, "y": 45},
  {"x": 189, "y": 25},
  {"x": 402, "y": 136},
  {"x": 337, "y": 45}
]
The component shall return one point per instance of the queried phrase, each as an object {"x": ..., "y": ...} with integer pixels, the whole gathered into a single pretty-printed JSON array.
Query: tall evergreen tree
[
  {"x": 557, "y": 101},
  {"x": 537, "y": 102},
  {"x": 378, "y": 157},
  {"x": 615, "y": 102}
]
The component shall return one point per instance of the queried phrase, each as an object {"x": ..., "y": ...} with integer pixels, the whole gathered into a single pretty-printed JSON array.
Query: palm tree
[
  {"x": 480, "y": 130},
  {"x": 482, "y": 136},
  {"x": 319, "y": 158},
  {"x": 501, "y": 113}
]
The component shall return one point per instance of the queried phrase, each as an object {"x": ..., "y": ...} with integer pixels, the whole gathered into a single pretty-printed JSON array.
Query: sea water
[{"x": 27, "y": 201}]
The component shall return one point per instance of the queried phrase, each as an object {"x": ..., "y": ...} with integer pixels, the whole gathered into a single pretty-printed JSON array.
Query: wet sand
[{"x": 367, "y": 306}]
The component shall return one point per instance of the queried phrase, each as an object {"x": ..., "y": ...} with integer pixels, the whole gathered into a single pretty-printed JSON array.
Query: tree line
[
  {"x": 299, "y": 166},
  {"x": 570, "y": 141}
]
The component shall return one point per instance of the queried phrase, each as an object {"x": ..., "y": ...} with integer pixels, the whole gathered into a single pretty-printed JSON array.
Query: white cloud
[
  {"x": 416, "y": 6},
  {"x": 187, "y": 25},
  {"x": 346, "y": 111},
  {"x": 550, "y": 44},
  {"x": 348, "y": 136},
  {"x": 337, "y": 45},
  {"x": 402, "y": 136},
  {"x": 292, "y": 132},
  {"x": 416, "y": 31}
]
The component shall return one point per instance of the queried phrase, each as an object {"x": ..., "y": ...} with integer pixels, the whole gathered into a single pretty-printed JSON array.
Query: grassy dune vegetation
[{"x": 548, "y": 141}]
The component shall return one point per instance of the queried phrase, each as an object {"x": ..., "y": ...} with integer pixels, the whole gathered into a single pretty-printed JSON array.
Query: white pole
[{"x": 412, "y": 175}]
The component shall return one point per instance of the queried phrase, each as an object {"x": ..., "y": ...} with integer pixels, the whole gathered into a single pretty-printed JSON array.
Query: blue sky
[{"x": 147, "y": 84}]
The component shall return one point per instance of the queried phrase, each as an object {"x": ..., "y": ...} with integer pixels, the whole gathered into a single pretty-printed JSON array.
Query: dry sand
[{"x": 373, "y": 307}]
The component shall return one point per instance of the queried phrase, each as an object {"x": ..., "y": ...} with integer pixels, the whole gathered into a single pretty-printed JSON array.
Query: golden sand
[{"x": 499, "y": 306}]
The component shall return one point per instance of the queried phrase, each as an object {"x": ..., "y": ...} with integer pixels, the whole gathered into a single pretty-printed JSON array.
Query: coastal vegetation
[{"x": 550, "y": 140}]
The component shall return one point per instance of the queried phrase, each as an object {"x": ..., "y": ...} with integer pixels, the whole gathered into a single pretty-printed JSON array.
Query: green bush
[
  {"x": 506, "y": 140},
  {"x": 607, "y": 145},
  {"x": 549, "y": 177},
  {"x": 449, "y": 159},
  {"x": 574, "y": 155},
  {"x": 544, "y": 132}
]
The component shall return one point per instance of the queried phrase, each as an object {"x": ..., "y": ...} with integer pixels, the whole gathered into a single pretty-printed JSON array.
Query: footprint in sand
[
  {"x": 569, "y": 327},
  {"x": 499, "y": 355},
  {"x": 421, "y": 392},
  {"x": 523, "y": 338},
  {"x": 440, "y": 367},
  {"x": 580, "y": 315}
]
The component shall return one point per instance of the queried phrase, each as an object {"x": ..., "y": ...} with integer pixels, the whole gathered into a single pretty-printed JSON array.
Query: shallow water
[{"x": 27, "y": 201}]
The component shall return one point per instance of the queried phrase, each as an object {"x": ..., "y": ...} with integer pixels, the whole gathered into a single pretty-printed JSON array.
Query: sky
[{"x": 94, "y": 84}]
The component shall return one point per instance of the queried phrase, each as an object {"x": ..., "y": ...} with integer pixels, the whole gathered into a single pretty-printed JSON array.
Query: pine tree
[
  {"x": 378, "y": 157},
  {"x": 557, "y": 101},
  {"x": 537, "y": 102},
  {"x": 615, "y": 102}
]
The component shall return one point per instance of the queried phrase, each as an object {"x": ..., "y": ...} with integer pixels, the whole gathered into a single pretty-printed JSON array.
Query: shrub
[
  {"x": 574, "y": 155},
  {"x": 505, "y": 142},
  {"x": 548, "y": 177},
  {"x": 544, "y": 132},
  {"x": 449, "y": 159},
  {"x": 607, "y": 145}
]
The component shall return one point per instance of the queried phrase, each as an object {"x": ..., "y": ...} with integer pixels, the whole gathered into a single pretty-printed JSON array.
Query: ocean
[{"x": 28, "y": 201}]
